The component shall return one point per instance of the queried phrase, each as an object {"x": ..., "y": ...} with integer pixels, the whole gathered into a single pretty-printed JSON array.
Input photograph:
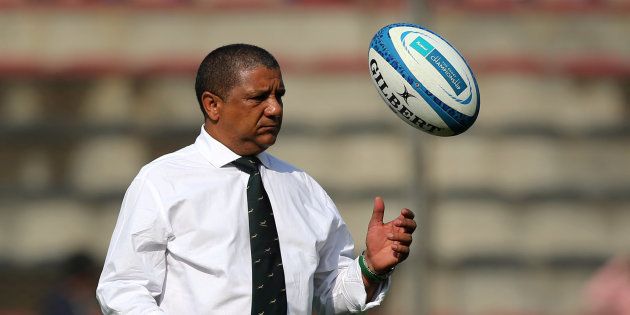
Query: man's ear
[{"x": 212, "y": 105}]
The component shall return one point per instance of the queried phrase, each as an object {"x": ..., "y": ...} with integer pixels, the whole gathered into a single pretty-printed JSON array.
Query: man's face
[{"x": 251, "y": 114}]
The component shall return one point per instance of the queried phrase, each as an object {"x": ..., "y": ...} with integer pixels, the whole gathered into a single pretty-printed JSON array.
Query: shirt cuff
[{"x": 355, "y": 272}]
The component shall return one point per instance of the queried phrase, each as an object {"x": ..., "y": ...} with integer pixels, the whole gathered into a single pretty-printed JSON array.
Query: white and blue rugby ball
[{"x": 423, "y": 79}]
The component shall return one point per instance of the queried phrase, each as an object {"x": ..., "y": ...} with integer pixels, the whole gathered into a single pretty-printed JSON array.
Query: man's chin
[
  {"x": 267, "y": 140},
  {"x": 260, "y": 143}
]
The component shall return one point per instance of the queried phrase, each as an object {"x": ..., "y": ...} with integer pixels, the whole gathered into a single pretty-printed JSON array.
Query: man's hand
[{"x": 388, "y": 243}]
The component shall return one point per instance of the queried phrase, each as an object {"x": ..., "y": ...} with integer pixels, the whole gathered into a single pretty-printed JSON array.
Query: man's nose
[{"x": 274, "y": 108}]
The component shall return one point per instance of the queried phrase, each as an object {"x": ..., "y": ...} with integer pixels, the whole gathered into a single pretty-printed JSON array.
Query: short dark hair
[{"x": 219, "y": 72}]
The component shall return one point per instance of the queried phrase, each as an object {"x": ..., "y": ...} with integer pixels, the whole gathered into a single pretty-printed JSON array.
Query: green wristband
[{"x": 368, "y": 273}]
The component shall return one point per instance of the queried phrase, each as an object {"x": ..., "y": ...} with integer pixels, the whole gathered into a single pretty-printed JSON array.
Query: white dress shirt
[{"x": 181, "y": 243}]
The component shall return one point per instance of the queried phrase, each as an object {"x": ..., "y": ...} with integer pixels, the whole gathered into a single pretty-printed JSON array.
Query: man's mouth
[{"x": 265, "y": 129}]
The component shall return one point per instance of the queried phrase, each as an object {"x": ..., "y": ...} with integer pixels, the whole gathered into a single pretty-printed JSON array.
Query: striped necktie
[{"x": 268, "y": 286}]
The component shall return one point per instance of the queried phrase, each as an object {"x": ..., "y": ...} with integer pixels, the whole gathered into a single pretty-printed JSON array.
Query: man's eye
[{"x": 260, "y": 98}]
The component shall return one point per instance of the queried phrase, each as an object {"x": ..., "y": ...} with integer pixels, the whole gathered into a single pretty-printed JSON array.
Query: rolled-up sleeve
[
  {"x": 134, "y": 271},
  {"x": 338, "y": 281}
]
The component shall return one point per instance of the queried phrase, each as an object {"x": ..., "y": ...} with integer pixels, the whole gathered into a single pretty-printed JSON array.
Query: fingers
[
  {"x": 407, "y": 213},
  {"x": 401, "y": 238},
  {"x": 401, "y": 242},
  {"x": 401, "y": 250},
  {"x": 408, "y": 225},
  {"x": 379, "y": 210}
]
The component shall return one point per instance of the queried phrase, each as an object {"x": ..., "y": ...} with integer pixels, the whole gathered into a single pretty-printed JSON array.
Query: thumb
[{"x": 377, "y": 213}]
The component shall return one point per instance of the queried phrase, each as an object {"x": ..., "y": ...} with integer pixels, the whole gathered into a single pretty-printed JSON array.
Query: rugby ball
[{"x": 423, "y": 79}]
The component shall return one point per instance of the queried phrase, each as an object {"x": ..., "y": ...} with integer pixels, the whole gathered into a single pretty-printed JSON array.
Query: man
[{"x": 221, "y": 227}]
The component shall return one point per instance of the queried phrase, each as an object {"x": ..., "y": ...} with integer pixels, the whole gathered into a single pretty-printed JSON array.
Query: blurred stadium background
[{"x": 516, "y": 216}]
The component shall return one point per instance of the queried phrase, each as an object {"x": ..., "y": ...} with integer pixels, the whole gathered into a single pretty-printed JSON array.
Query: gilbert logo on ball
[{"x": 423, "y": 79}]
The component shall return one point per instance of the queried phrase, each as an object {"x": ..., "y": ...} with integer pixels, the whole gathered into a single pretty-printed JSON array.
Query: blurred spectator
[
  {"x": 74, "y": 293},
  {"x": 608, "y": 292}
]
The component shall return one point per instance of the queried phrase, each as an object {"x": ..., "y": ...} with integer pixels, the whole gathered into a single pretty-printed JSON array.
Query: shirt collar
[{"x": 218, "y": 154}]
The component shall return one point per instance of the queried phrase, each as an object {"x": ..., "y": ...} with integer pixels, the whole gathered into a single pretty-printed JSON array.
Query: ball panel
[
  {"x": 403, "y": 100},
  {"x": 437, "y": 64}
]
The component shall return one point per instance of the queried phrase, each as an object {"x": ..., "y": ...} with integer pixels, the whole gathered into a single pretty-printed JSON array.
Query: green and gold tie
[{"x": 268, "y": 287}]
